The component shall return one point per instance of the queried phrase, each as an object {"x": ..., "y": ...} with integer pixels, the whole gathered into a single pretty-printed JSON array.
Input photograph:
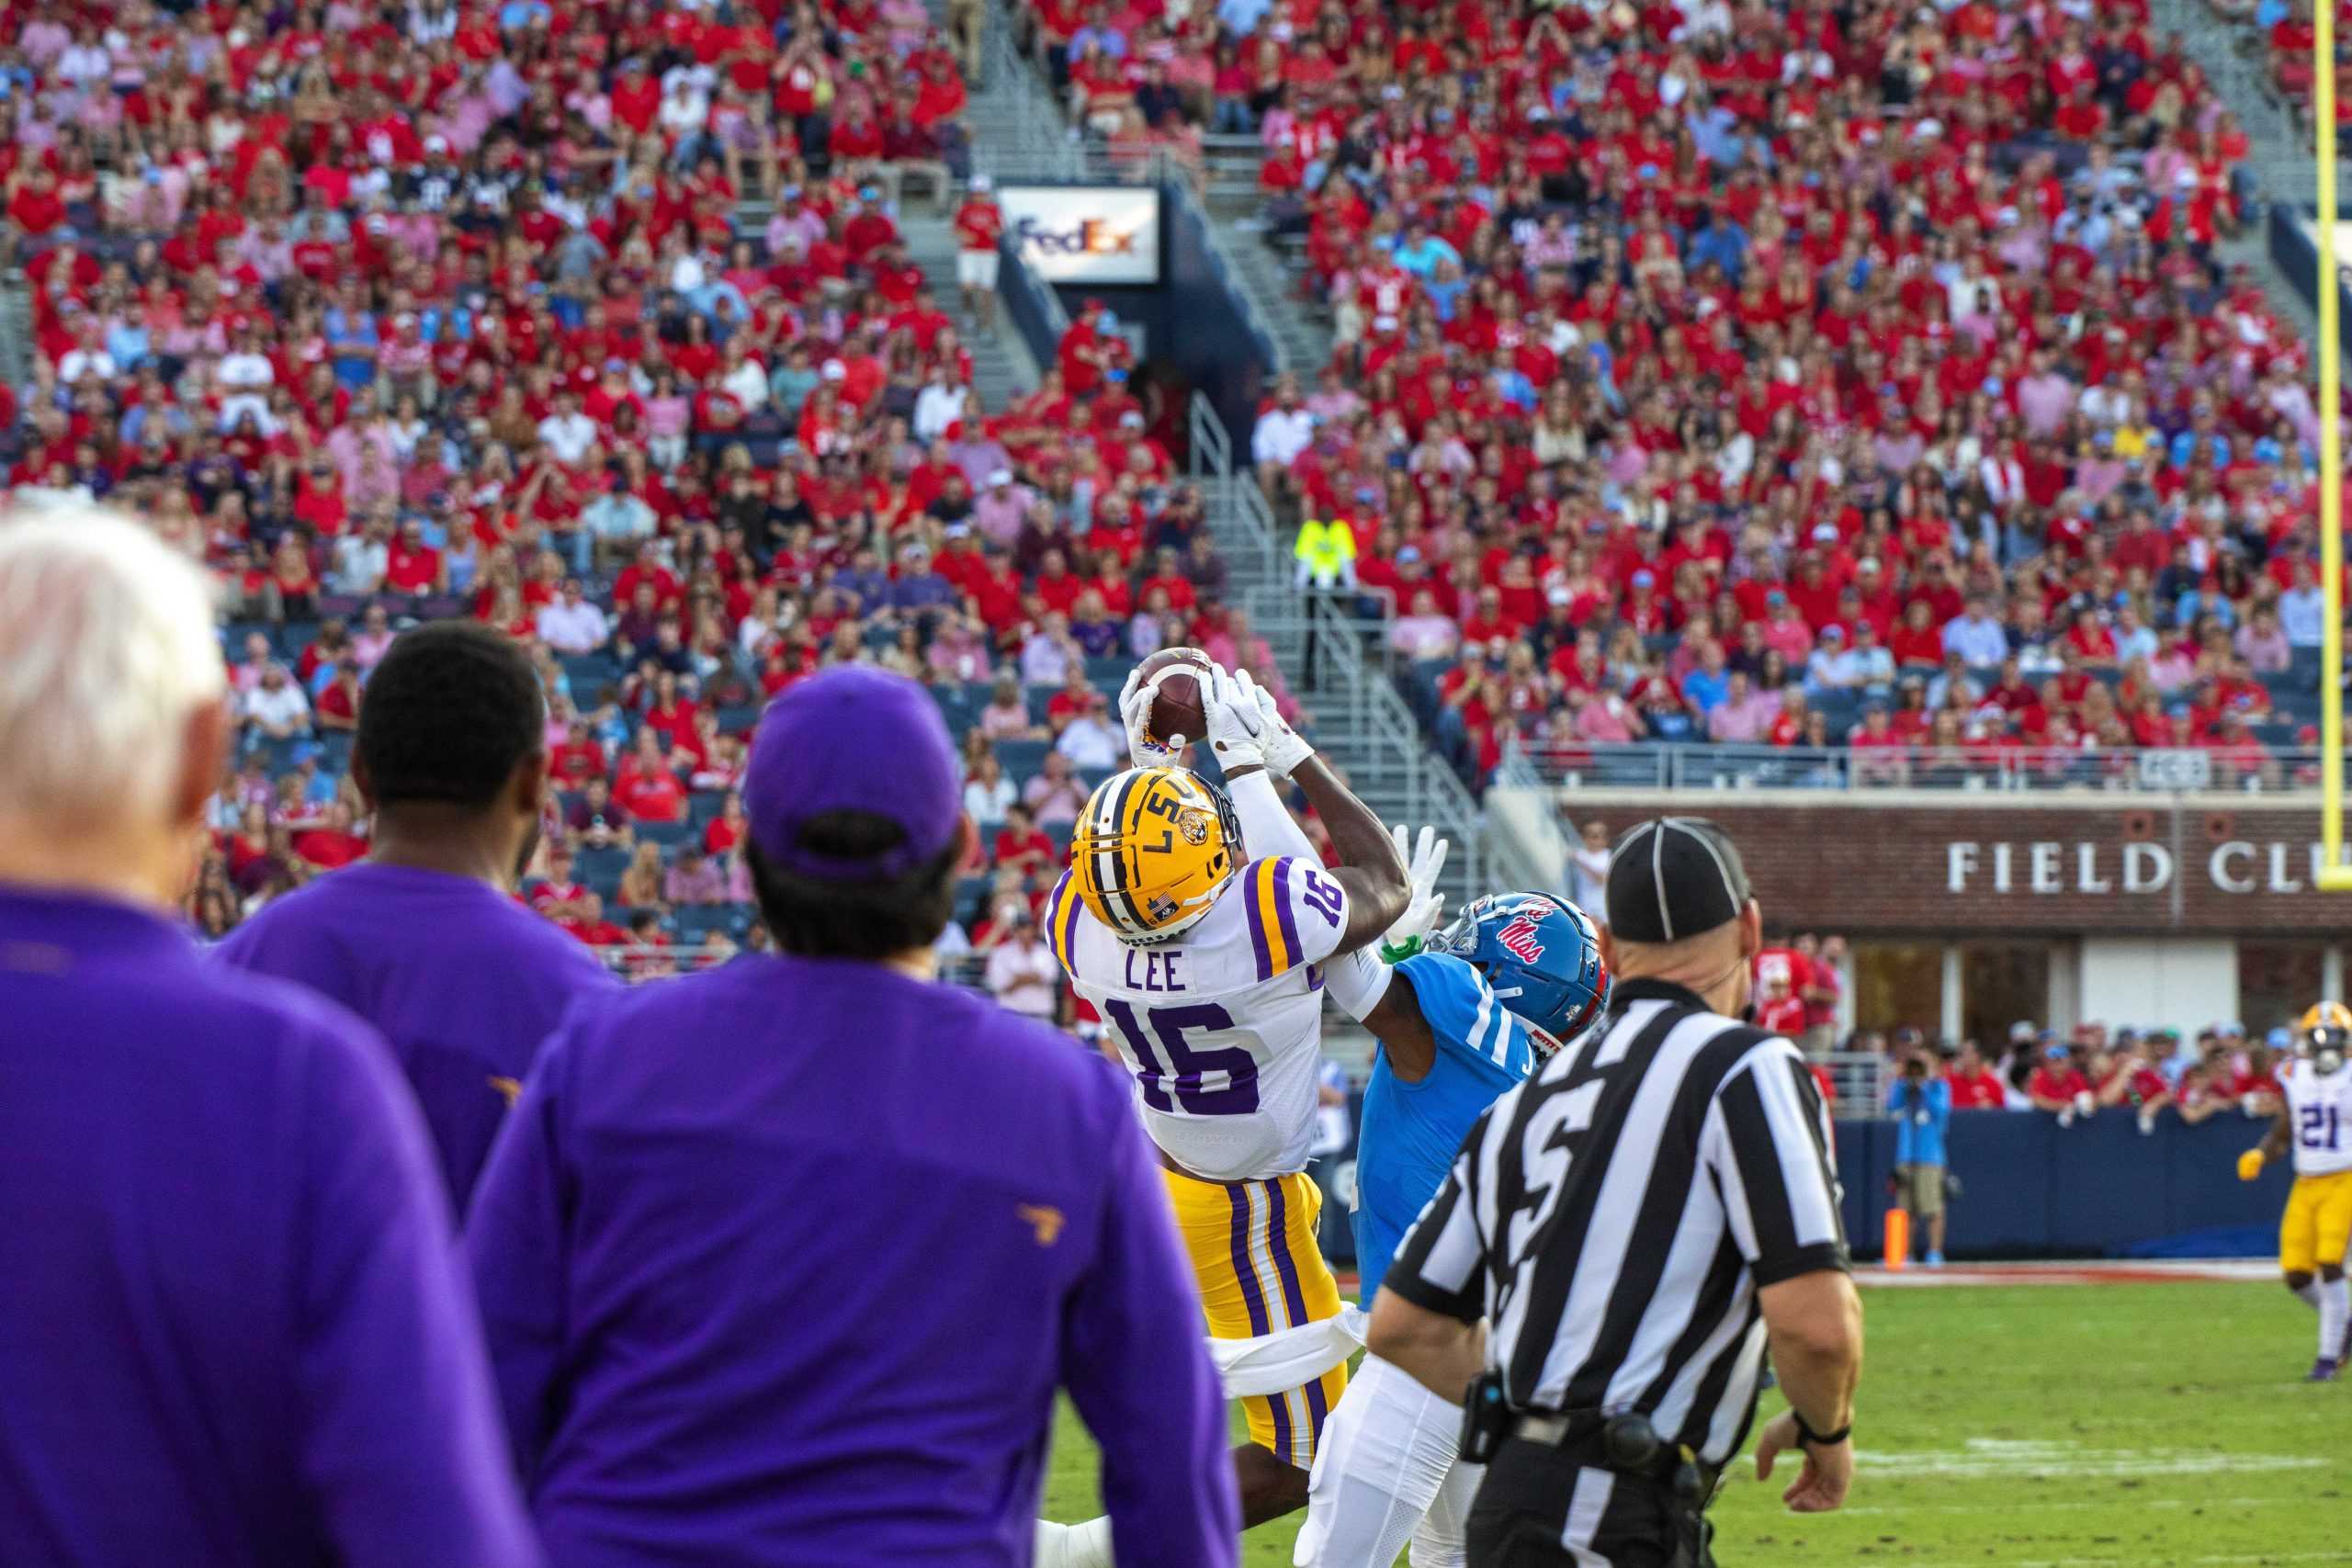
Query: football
[{"x": 1178, "y": 699}]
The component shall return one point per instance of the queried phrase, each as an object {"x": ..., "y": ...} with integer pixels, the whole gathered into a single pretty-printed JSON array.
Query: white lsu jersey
[
  {"x": 1221, "y": 1025},
  {"x": 2319, "y": 1116}
]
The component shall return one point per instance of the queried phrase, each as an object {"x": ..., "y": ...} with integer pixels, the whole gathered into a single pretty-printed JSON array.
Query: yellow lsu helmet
[
  {"x": 2326, "y": 1033},
  {"x": 1153, "y": 849}
]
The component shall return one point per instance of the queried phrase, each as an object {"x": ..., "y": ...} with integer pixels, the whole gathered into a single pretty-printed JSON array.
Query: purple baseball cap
[{"x": 853, "y": 739}]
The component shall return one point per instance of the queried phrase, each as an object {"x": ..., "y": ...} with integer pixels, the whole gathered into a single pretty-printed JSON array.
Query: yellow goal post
[{"x": 2334, "y": 877}]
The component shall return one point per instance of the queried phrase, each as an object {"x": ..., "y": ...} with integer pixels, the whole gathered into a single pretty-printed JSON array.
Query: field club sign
[
  {"x": 2048, "y": 866},
  {"x": 2207, "y": 863}
]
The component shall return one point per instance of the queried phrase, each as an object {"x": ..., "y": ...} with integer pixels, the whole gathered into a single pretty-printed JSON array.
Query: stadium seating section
[
  {"x": 1707, "y": 371},
  {"x": 1758, "y": 342},
  {"x": 395, "y": 314}
]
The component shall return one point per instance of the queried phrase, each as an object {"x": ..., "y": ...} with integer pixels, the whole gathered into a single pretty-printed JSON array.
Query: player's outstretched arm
[
  {"x": 1254, "y": 748},
  {"x": 1405, "y": 1037},
  {"x": 1391, "y": 1005},
  {"x": 1245, "y": 732},
  {"x": 1370, "y": 870}
]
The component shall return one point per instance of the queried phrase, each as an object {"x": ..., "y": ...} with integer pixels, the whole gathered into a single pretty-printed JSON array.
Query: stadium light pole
[{"x": 2334, "y": 877}]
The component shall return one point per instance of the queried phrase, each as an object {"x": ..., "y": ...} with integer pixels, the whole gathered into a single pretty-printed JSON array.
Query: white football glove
[
  {"x": 1286, "y": 752},
  {"x": 1424, "y": 859},
  {"x": 1134, "y": 715},
  {"x": 1237, "y": 730}
]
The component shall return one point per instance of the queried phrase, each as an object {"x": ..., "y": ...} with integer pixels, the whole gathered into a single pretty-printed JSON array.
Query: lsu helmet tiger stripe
[
  {"x": 1153, "y": 849},
  {"x": 2326, "y": 1031}
]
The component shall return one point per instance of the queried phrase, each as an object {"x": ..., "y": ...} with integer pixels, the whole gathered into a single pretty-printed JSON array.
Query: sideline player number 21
[{"x": 2316, "y": 1123}]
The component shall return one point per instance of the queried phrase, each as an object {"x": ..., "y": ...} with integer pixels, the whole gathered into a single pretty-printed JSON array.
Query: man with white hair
[{"x": 234, "y": 1330}]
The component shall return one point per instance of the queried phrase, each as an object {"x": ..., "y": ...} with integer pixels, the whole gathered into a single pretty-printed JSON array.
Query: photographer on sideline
[{"x": 1920, "y": 1102}]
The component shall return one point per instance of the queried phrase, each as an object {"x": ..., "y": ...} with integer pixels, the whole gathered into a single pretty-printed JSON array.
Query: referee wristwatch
[{"x": 1807, "y": 1437}]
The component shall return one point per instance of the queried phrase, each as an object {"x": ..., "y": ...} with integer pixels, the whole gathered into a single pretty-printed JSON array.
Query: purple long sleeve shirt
[
  {"x": 782, "y": 1263},
  {"x": 234, "y": 1329},
  {"x": 464, "y": 982}
]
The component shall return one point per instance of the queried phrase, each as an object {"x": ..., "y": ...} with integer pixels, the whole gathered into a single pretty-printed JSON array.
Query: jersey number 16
[{"x": 1182, "y": 1069}]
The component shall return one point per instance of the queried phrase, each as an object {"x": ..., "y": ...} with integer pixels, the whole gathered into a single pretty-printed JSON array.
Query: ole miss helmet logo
[{"x": 1519, "y": 940}]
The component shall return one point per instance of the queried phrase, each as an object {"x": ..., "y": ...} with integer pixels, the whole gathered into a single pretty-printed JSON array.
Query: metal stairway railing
[{"x": 1361, "y": 722}]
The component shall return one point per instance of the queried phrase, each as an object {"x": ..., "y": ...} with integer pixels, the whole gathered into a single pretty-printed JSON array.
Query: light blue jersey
[{"x": 1411, "y": 1131}]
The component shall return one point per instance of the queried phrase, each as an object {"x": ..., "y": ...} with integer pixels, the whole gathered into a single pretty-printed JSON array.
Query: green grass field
[{"x": 2061, "y": 1425}]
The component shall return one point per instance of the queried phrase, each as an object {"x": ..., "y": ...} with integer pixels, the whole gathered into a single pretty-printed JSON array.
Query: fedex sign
[{"x": 1085, "y": 233}]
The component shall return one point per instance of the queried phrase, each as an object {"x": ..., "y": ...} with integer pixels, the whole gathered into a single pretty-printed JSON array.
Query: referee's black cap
[{"x": 1673, "y": 877}]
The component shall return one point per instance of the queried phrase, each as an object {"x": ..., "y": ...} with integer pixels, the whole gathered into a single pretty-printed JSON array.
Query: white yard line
[
  {"x": 2060, "y": 1505},
  {"x": 2142, "y": 1560},
  {"x": 2085, "y": 1272},
  {"x": 1993, "y": 1456}
]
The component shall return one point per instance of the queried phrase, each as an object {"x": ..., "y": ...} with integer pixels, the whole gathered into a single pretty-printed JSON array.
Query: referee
[{"x": 1636, "y": 1225}]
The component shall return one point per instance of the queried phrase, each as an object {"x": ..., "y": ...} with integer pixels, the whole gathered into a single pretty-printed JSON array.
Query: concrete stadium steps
[
  {"x": 2281, "y": 158},
  {"x": 996, "y": 112},
  {"x": 16, "y": 331},
  {"x": 1017, "y": 123},
  {"x": 1001, "y": 366},
  {"x": 1301, "y": 328}
]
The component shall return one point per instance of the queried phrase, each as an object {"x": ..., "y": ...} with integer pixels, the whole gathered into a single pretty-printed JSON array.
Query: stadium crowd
[
  {"x": 2282, "y": 31},
  {"x": 1732, "y": 372},
  {"x": 1739, "y": 375},
  {"x": 390, "y": 315},
  {"x": 2194, "y": 1073}
]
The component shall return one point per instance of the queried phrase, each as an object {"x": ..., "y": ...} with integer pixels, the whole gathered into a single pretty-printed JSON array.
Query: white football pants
[{"x": 1386, "y": 1473}]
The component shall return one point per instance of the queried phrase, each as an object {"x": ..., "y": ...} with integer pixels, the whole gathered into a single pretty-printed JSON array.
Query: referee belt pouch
[
  {"x": 1654, "y": 1515},
  {"x": 1627, "y": 1444}
]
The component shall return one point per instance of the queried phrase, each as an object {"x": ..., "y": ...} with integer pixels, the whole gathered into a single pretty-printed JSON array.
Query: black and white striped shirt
[{"x": 1614, "y": 1216}]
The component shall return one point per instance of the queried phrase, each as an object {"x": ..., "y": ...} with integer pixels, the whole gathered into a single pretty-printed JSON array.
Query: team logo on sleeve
[{"x": 1521, "y": 939}]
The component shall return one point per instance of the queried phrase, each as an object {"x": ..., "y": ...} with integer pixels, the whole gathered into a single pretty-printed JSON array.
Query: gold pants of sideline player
[
  {"x": 2317, "y": 1224},
  {"x": 1253, "y": 1251}
]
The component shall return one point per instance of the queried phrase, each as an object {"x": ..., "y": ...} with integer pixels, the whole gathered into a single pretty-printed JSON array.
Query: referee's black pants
[{"x": 1538, "y": 1509}]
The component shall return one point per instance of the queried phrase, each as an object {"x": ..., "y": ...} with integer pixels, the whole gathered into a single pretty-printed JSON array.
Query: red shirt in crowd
[
  {"x": 2057, "y": 1083},
  {"x": 574, "y": 763},
  {"x": 2147, "y": 1084},
  {"x": 1782, "y": 976},
  {"x": 600, "y": 933},
  {"x": 550, "y": 893},
  {"x": 330, "y": 849},
  {"x": 977, "y": 225},
  {"x": 651, "y": 794},
  {"x": 1980, "y": 1090}
]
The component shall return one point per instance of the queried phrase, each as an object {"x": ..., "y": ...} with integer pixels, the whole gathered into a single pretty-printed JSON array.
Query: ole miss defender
[{"x": 1506, "y": 985}]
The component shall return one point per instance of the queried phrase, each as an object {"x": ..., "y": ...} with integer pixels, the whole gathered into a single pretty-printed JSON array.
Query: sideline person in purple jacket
[
  {"x": 234, "y": 1330},
  {"x": 424, "y": 939},
  {"x": 782, "y": 1263}
]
